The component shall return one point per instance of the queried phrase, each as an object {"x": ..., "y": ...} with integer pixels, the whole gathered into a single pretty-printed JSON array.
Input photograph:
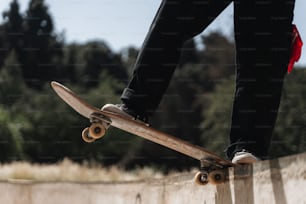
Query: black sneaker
[{"x": 124, "y": 110}]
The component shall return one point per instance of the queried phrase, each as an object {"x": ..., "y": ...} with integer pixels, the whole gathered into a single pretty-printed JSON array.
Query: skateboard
[{"x": 213, "y": 169}]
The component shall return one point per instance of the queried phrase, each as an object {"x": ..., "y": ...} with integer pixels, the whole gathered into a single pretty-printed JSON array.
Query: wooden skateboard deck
[{"x": 212, "y": 166}]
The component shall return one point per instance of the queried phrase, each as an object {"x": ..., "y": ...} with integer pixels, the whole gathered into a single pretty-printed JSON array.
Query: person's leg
[
  {"x": 263, "y": 39},
  {"x": 176, "y": 21}
]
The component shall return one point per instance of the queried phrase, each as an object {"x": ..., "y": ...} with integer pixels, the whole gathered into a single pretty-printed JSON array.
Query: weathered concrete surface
[{"x": 281, "y": 181}]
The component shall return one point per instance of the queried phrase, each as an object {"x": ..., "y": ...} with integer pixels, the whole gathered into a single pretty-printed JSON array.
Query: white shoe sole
[
  {"x": 244, "y": 158},
  {"x": 115, "y": 109}
]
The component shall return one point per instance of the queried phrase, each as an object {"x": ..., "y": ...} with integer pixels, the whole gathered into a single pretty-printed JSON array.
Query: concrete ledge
[{"x": 280, "y": 181}]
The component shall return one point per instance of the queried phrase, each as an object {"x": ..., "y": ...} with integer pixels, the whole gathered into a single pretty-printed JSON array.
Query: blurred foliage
[
  {"x": 216, "y": 126},
  {"x": 289, "y": 135},
  {"x": 36, "y": 125}
]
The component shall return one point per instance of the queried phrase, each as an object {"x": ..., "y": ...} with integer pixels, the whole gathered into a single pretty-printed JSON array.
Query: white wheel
[
  {"x": 216, "y": 177},
  {"x": 97, "y": 130},
  {"x": 201, "y": 178},
  {"x": 86, "y": 136}
]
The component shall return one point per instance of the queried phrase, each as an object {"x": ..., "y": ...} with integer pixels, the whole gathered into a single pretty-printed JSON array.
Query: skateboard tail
[{"x": 68, "y": 96}]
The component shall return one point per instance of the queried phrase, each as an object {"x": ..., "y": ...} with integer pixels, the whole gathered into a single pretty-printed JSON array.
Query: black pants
[{"x": 263, "y": 37}]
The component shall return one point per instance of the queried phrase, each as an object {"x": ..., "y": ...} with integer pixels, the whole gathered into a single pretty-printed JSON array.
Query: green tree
[
  {"x": 289, "y": 134},
  {"x": 218, "y": 58},
  {"x": 11, "y": 127},
  {"x": 42, "y": 48},
  {"x": 13, "y": 26},
  {"x": 69, "y": 71},
  {"x": 11, "y": 80},
  {"x": 96, "y": 57},
  {"x": 12, "y": 122},
  {"x": 54, "y": 127},
  {"x": 3, "y": 44},
  {"x": 217, "y": 114}
]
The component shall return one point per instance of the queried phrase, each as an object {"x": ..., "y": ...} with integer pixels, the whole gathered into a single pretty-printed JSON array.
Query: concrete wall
[{"x": 278, "y": 181}]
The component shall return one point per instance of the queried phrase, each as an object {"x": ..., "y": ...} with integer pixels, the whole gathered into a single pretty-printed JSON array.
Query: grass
[{"x": 68, "y": 171}]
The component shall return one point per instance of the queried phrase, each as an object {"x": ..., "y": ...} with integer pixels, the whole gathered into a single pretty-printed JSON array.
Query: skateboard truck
[
  {"x": 97, "y": 129},
  {"x": 210, "y": 171}
]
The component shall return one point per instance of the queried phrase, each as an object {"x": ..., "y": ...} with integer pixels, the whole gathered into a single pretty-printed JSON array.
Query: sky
[{"x": 122, "y": 23}]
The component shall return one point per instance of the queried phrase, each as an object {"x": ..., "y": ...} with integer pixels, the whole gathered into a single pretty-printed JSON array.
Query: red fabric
[{"x": 296, "y": 48}]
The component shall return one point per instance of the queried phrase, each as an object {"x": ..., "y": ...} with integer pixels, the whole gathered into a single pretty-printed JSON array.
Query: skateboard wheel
[
  {"x": 86, "y": 136},
  {"x": 97, "y": 130},
  {"x": 201, "y": 178},
  {"x": 216, "y": 177}
]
